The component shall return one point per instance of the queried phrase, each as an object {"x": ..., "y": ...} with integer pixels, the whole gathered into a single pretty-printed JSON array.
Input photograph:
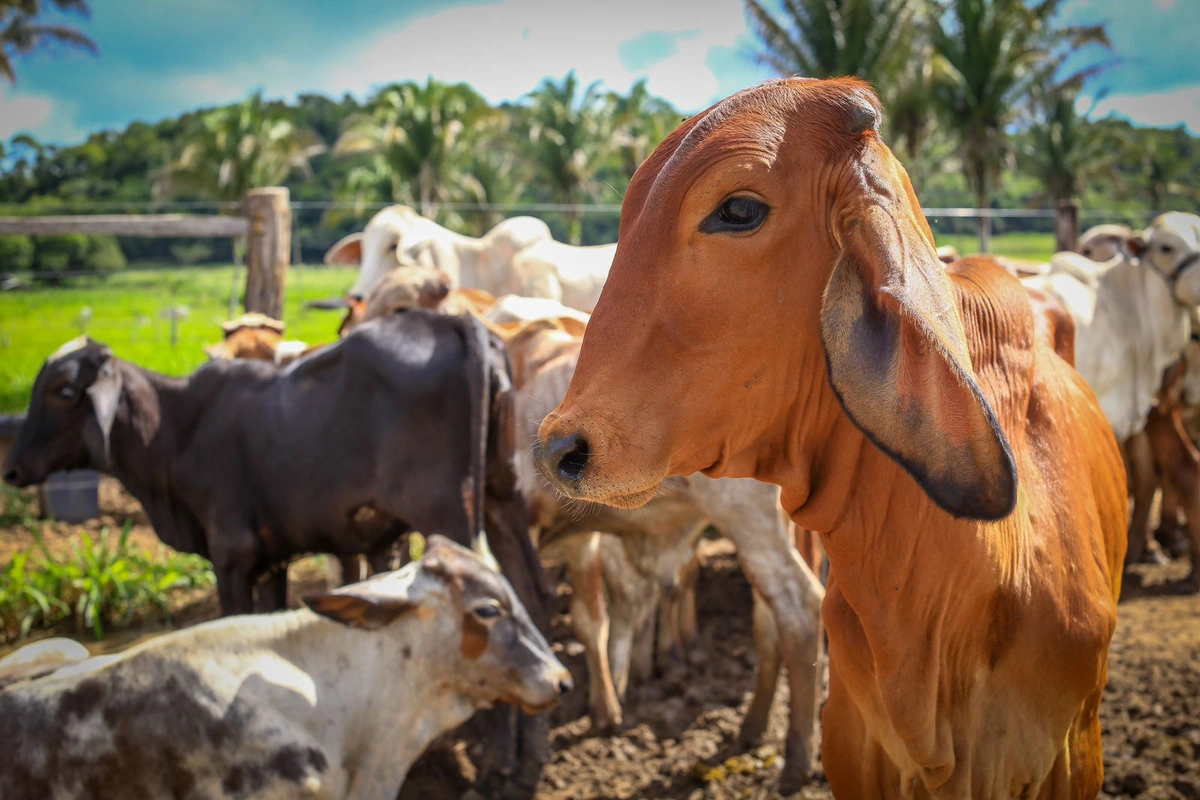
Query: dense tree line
[{"x": 978, "y": 100}]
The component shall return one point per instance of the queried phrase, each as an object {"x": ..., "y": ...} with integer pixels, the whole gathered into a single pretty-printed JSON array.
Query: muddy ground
[{"x": 680, "y": 730}]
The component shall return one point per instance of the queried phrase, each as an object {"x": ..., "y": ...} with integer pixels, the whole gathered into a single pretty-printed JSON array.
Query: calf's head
[
  {"x": 395, "y": 236},
  {"x": 773, "y": 264},
  {"x": 1103, "y": 242},
  {"x": 1171, "y": 247},
  {"x": 487, "y": 646},
  {"x": 75, "y": 400}
]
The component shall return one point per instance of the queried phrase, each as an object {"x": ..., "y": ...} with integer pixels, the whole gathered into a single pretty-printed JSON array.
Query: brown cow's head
[
  {"x": 773, "y": 269},
  {"x": 480, "y": 634},
  {"x": 75, "y": 400}
]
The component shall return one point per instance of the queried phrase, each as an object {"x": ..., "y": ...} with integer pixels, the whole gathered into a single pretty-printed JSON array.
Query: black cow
[{"x": 403, "y": 425}]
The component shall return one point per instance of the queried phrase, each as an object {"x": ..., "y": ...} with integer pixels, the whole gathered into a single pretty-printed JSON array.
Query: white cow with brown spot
[{"x": 332, "y": 704}]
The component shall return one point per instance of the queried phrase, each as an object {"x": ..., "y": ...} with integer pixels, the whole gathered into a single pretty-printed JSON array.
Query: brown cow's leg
[
  {"x": 1143, "y": 483},
  {"x": 589, "y": 617},
  {"x": 768, "y": 662},
  {"x": 1187, "y": 480},
  {"x": 631, "y": 599},
  {"x": 688, "y": 626}
]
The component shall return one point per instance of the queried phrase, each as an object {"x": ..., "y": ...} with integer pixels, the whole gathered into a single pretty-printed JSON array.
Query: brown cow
[{"x": 776, "y": 309}]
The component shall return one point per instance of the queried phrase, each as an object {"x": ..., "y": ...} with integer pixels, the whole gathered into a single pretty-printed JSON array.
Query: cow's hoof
[
  {"x": 793, "y": 778},
  {"x": 606, "y": 724}
]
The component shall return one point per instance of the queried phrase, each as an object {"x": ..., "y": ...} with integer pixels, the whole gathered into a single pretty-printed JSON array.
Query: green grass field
[
  {"x": 1030, "y": 246},
  {"x": 126, "y": 313}
]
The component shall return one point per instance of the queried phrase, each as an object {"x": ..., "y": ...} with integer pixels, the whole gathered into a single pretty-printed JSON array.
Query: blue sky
[{"x": 161, "y": 57}]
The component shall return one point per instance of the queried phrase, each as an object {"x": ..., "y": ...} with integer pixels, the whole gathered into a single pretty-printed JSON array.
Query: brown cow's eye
[{"x": 736, "y": 215}]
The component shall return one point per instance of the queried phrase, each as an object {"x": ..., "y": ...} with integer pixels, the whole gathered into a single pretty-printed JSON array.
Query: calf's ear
[
  {"x": 347, "y": 252},
  {"x": 105, "y": 393},
  {"x": 896, "y": 353},
  {"x": 358, "y": 611}
]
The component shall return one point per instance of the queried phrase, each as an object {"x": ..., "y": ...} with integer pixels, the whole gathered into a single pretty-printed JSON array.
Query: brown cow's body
[{"x": 964, "y": 482}]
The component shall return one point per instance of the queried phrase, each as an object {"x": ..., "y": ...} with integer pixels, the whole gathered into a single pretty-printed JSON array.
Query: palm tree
[
  {"x": 415, "y": 133},
  {"x": 568, "y": 133},
  {"x": 21, "y": 33},
  {"x": 832, "y": 38},
  {"x": 641, "y": 121},
  {"x": 1062, "y": 148},
  {"x": 1167, "y": 165},
  {"x": 990, "y": 54},
  {"x": 237, "y": 148}
]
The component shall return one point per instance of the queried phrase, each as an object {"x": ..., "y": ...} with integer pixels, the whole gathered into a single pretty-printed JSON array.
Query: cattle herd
[{"x": 778, "y": 354}]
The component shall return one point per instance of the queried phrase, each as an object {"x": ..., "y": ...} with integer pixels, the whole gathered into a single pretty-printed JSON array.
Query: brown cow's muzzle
[{"x": 582, "y": 463}]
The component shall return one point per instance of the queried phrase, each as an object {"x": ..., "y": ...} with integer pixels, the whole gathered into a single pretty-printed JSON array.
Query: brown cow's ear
[
  {"x": 898, "y": 362},
  {"x": 347, "y": 252},
  {"x": 358, "y": 611}
]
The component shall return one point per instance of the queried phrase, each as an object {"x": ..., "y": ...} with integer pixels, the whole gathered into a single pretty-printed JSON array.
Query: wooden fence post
[
  {"x": 268, "y": 249},
  {"x": 1066, "y": 225}
]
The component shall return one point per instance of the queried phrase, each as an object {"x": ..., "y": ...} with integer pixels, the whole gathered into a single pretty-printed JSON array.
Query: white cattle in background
[
  {"x": 572, "y": 275},
  {"x": 1132, "y": 314},
  {"x": 399, "y": 236},
  {"x": 1103, "y": 242}
]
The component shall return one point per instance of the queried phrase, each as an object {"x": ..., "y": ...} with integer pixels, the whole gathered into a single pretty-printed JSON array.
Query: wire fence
[{"x": 165, "y": 305}]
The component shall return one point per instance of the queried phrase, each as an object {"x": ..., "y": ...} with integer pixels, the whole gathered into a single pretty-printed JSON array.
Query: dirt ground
[{"x": 680, "y": 730}]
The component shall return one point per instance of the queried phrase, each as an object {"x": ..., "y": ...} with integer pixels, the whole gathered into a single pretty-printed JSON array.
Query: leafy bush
[
  {"x": 192, "y": 251},
  {"x": 16, "y": 253},
  {"x": 97, "y": 584},
  {"x": 17, "y": 508},
  {"x": 76, "y": 252}
]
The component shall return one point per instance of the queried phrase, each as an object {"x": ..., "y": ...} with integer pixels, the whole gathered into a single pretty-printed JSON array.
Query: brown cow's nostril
[
  {"x": 13, "y": 476},
  {"x": 569, "y": 456}
]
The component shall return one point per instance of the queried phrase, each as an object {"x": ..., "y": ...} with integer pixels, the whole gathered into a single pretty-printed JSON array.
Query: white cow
[
  {"x": 1132, "y": 314},
  {"x": 1103, "y": 242},
  {"x": 332, "y": 704},
  {"x": 398, "y": 236},
  {"x": 572, "y": 275}
]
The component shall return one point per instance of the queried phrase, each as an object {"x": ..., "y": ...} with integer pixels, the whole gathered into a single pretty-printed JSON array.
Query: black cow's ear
[
  {"x": 358, "y": 611},
  {"x": 105, "y": 393}
]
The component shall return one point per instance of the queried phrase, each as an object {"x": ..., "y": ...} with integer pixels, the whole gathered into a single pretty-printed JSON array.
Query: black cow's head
[{"x": 71, "y": 412}]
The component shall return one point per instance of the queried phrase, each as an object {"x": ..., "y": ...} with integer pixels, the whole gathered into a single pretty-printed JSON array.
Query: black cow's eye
[
  {"x": 486, "y": 611},
  {"x": 67, "y": 392},
  {"x": 736, "y": 215}
]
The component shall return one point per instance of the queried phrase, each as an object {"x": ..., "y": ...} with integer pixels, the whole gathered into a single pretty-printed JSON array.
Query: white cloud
[
  {"x": 1157, "y": 108},
  {"x": 505, "y": 49},
  {"x": 34, "y": 114}
]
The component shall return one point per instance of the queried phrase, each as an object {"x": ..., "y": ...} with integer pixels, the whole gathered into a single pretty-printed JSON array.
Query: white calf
[{"x": 336, "y": 703}]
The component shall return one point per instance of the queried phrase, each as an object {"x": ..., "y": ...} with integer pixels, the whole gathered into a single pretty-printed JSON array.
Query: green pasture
[
  {"x": 1030, "y": 246},
  {"x": 127, "y": 314}
]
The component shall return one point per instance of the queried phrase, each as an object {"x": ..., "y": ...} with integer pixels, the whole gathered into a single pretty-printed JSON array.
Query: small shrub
[
  {"x": 17, "y": 508},
  {"x": 16, "y": 253},
  {"x": 76, "y": 252},
  {"x": 192, "y": 252},
  {"x": 98, "y": 584}
]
